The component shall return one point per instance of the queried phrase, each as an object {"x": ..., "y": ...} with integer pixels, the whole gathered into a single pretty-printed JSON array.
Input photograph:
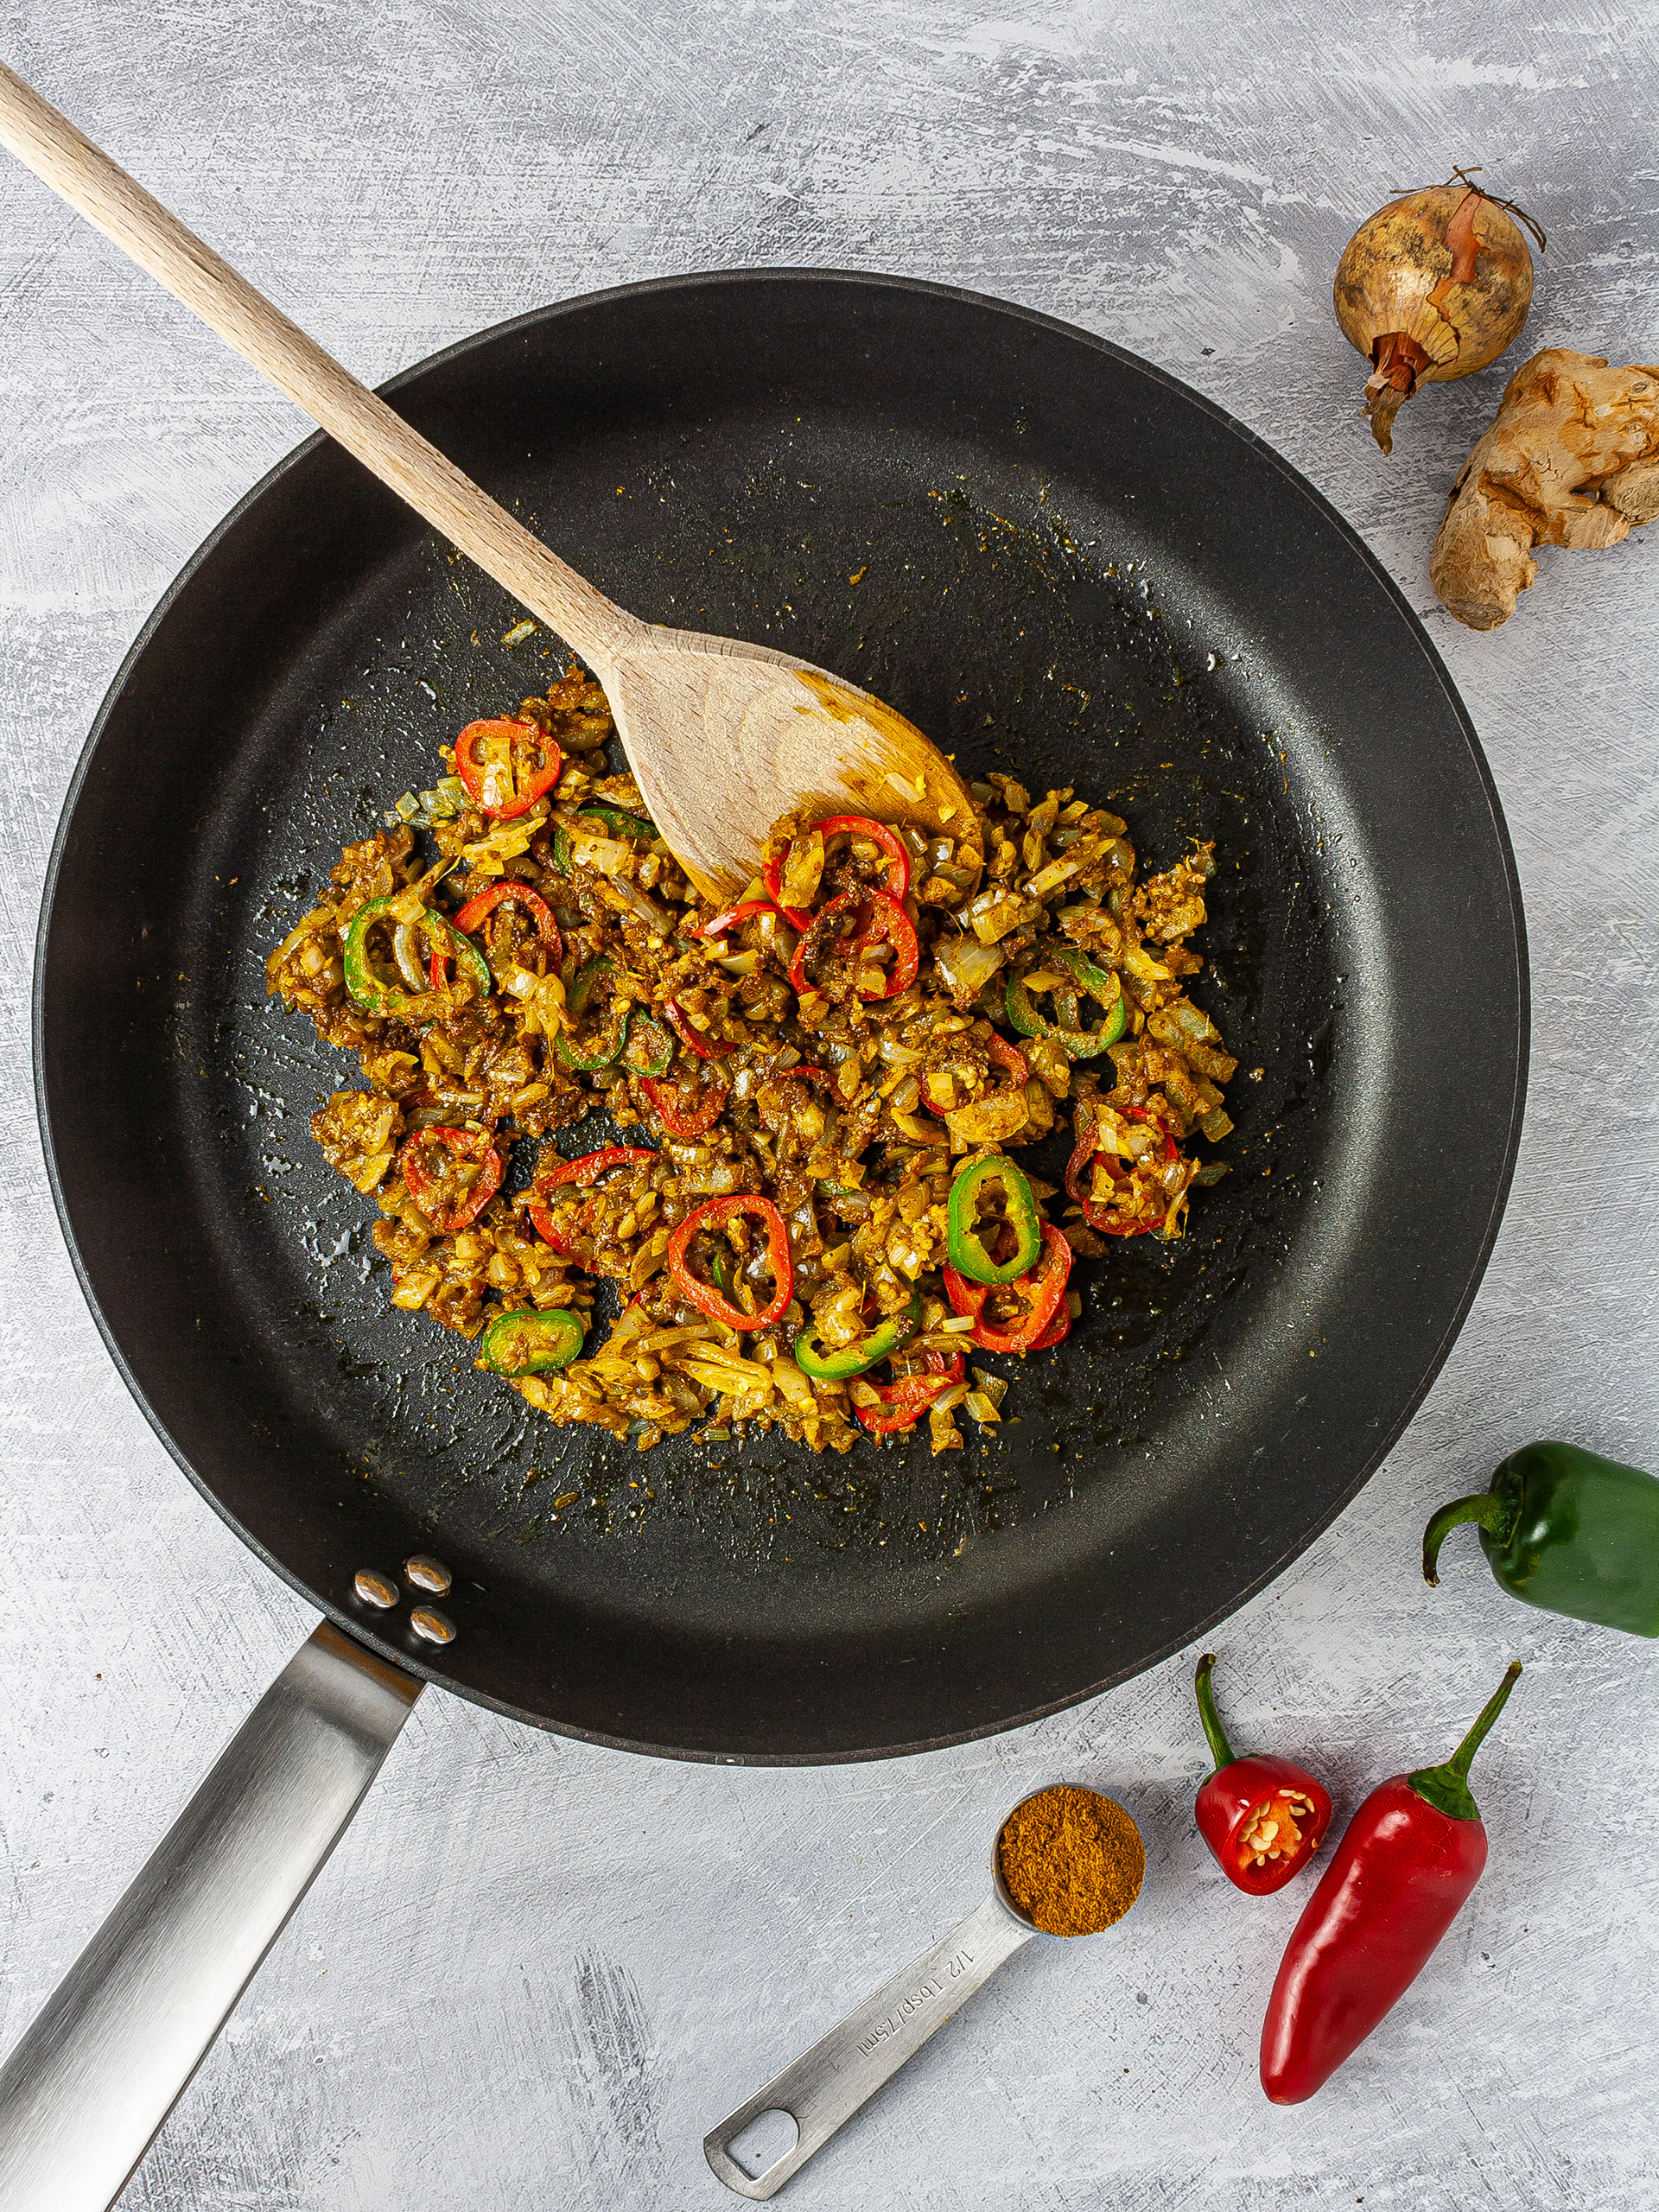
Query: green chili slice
[
  {"x": 632, "y": 826},
  {"x": 447, "y": 941},
  {"x": 585, "y": 1057},
  {"x": 853, "y": 1359},
  {"x": 1100, "y": 983},
  {"x": 530, "y": 1342},
  {"x": 650, "y": 1048},
  {"x": 561, "y": 849},
  {"x": 372, "y": 989},
  {"x": 968, "y": 1253}
]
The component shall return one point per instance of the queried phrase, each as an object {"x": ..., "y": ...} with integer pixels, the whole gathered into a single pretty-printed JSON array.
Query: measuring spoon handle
[{"x": 826, "y": 2085}]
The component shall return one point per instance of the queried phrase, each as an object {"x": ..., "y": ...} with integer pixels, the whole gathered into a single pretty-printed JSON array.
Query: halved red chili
[
  {"x": 673, "y": 1108},
  {"x": 888, "y": 919},
  {"x": 874, "y": 833},
  {"x": 521, "y": 762},
  {"x": 706, "y": 1296},
  {"x": 706, "y": 1048},
  {"x": 495, "y": 895},
  {"x": 579, "y": 1174},
  {"x": 1042, "y": 1290},
  {"x": 447, "y": 1193}
]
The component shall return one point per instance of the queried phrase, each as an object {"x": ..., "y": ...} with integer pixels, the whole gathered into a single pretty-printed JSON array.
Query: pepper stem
[
  {"x": 1459, "y": 1761},
  {"x": 1220, "y": 1750},
  {"x": 1447, "y": 1787},
  {"x": 1495, "y": 1515}
]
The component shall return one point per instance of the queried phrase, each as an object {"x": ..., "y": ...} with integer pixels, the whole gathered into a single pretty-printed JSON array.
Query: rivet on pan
[
  {"x": 427, "y": 1573},
  {"x": 375, "y": 1588},
  {"x": 435, "y": 1627}
]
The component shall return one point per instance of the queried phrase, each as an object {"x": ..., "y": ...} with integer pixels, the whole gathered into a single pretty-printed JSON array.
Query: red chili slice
[
  {"x": 665, "y": 1100},
  {"x": 1043, "y": 1288},
  {"x": 895, "y": 925},
  {"x": 525, "y": 786},
  {"x": 910, "y": 1396},
  {"x": 580, "y": 1172},
  {"x": 688, "y": 1035},
  {"x": 732, "y": 917},
  {"x": 877, "y": 833},
  {"x": 1010, "y": 1057},
  {"x": 474, "y": 910},
  {"x": 426, "y": 1189},
  {"x": 1099, "y": 1217},
  {"x": 704, "y": 1295},
  {"x": 1057, "y": 1331}
]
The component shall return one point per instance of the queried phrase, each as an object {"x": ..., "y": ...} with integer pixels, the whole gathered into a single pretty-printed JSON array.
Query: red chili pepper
[
  {"x": 910, "y": 1397},
  {"x": 688, "y": 1037},
  {"x": 730, "y": 917},
  {"x": 473, "y": 911},
  {"x": 1043, "y": 1288},
  {"x": 1098, "y": 1216},
  {"x": 877, "y": 833},
  {"x": 527, "y": 786},
  {"x": 580, "y": 1172},
  {"x": 1263, "y": 1818},
  {"x": 1057, "y": 1331},
  {"x": 665, "y": 1104},
  {"x": 704, "y": 1295},
  {"x": 426, "y": 1189},
  {"x": 1010, "y": 1057},
  {"x": 1412, "y": 1854},
  {"x": 896, "y": 927}
]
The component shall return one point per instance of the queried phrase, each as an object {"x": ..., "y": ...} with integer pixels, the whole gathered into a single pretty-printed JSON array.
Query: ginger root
[{"x": 1572, "y": 459}]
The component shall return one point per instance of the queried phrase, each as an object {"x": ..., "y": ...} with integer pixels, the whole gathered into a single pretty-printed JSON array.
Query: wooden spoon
[{"x": 722, "y": 737}]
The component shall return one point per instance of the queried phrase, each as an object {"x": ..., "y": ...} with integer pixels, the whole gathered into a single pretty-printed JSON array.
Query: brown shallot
[{"x": 1431, "y": 287}]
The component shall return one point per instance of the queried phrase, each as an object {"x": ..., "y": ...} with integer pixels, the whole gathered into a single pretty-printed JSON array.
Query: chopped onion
[
  {"x": 802, "y": 869},
  {"x": 967, "y": 966}
]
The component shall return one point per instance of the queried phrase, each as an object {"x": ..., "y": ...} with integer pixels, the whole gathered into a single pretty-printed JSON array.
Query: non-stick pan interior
[{"x": 1058, "y": 562}]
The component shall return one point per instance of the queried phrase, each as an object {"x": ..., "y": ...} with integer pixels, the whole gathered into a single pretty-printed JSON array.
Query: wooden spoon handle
[{"x": 49, "y": 144}]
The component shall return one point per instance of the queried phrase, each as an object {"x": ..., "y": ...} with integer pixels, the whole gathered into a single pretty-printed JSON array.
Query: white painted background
[{"x": 535, "y": 1973}]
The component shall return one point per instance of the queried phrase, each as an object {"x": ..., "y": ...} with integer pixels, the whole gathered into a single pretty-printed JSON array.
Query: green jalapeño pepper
[
  {"x": 1068, "y": 1032},
  {"x": 597, "y": 1052},
  {"x": 852, "y": 1359},
  {"x": 1567, "y": 1530},
  {"x": 530, "y": 1343},
  {"x": 968, "y": 1253}
]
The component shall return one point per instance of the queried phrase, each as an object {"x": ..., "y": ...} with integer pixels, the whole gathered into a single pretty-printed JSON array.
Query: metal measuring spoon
[{"x": 826, "y": 2085}]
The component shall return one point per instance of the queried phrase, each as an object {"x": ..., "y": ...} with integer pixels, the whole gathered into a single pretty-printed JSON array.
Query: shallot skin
[{"x": 1432, "y": 287}]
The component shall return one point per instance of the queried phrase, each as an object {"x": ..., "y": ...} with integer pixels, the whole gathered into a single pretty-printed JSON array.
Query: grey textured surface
[{"x": 535, "y": 1973}]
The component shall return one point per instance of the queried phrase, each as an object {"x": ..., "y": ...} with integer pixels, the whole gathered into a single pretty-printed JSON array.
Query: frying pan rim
[{"x": 493, "y": 334}]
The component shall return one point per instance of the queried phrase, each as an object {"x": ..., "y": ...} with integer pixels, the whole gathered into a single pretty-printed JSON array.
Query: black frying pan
[{"x": 1053, "y": 559}]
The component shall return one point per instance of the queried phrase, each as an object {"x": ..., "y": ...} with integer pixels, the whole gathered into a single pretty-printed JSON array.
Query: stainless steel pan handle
[{"x": 85, "y": 2090}]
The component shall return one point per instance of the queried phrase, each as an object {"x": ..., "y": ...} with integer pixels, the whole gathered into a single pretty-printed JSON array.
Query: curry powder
[{"x": 1072, "y": 1860}]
